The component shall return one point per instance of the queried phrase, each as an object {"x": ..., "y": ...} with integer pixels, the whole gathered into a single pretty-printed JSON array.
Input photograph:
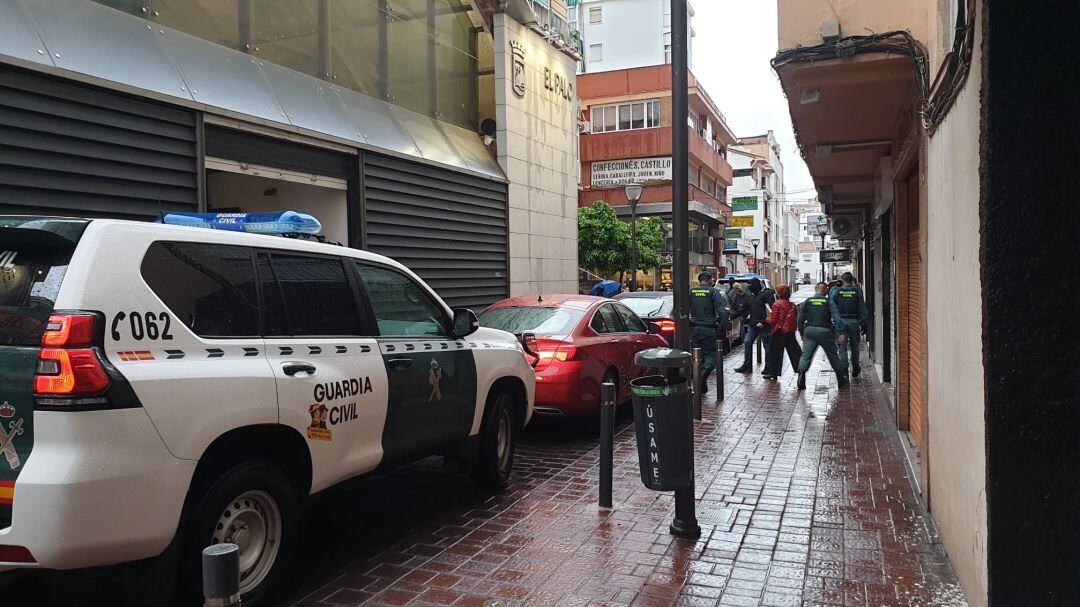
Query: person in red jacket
[{"x": 783, "y": 322}]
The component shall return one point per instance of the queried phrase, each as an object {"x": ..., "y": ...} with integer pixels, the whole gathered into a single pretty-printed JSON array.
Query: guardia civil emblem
[
  {"x": 517, "y": 74},
  {"x": 8, "y": 431},
  {"x": 434, "y": 377},
  {"x": 317, "y": 430}
]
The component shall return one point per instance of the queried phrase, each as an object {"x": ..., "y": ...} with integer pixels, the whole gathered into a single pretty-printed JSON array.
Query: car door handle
[
  {"x": 293, "y": 368},
  {"x": 399, "y": 364}
]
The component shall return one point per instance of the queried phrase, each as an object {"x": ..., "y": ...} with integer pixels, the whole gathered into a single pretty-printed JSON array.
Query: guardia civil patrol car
[{"x": 164, "y": 388}]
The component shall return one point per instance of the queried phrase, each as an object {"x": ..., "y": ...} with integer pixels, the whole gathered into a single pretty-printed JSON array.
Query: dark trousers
[
  {"x": 780, "y": 343},
  {"x": 753, "y": 333}
]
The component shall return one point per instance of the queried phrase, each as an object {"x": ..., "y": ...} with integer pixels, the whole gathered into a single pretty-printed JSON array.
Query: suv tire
[
  {"x": 498, "y": 439},
  {"x": 254, "y": 506}
]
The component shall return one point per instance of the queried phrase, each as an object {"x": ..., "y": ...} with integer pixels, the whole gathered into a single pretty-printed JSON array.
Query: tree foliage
[{"x": 604, "y": 242}]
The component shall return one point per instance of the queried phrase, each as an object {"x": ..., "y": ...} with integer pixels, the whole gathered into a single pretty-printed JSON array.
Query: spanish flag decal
[{"x": 7, "y": 493}]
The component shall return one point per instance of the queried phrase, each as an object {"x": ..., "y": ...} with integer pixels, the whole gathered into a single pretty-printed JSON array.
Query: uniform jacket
[
  {"x": 784, "y": 317},
  {"x": 819, "y": 306},
  {"x": 863, "y": 314},
  {"x": 707, "y": 307}
]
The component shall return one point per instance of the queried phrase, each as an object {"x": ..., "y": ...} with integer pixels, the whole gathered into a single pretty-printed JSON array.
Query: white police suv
[{"x": 165, "y": 387}]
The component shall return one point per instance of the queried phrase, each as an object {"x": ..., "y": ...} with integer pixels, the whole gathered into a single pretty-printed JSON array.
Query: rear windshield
[
  {"x": 539, "y": 320},
  {"x": 30, "y": 277},
  {"x": 646, "y": 306}
]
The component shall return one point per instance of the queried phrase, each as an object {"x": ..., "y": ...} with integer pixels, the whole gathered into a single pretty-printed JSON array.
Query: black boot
[
  {"x": 842, "y": 378},
  {"x": 855, "y": 370},
  {"x": 705, "y": 380},
  {"x": 744, "y": 369},
  {"x": 802, "y": 380}
]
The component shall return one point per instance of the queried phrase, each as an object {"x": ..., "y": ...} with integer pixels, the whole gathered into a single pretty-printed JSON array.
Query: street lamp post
[
  {"x": 633, "y": 195},
  {"x": 757, "y": 267},
  {"x": 822, "y": 230}
]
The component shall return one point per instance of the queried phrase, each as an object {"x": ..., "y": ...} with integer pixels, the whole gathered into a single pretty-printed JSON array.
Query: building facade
[
  {"x": 387, "y": 122},
  {"x": 757, "y": 198},
  {"x": 626, "y": 138},
  {"x": 621, "y": 34},
  {"x": 914, "y": 136}
]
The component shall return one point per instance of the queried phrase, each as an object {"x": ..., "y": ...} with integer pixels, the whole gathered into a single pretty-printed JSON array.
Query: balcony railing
[{"x": 556, "y": 29}]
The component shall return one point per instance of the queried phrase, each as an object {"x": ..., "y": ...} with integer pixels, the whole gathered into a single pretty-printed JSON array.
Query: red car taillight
[
  {"x": 666, "y": 326},
  {"x": 549, "y": 350},
  {"x": 69, "y": 368}
]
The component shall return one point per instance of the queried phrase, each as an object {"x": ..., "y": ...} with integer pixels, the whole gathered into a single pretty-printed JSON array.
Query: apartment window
[
  {"x": 596, "y": 53},
  {"x": 667, "y": 40},
  {"x": 596, "y": 14},
  {"x": 694, "y": 175},
  {"x": 625, "y": 116}
]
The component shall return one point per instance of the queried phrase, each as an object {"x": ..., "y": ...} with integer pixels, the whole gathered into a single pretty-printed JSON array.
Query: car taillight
[
  {"x": 69, "y": 330},
  {"x": 666, "y": 326},
  {"x": 554, "y": 350},
  {"x": 70, "y": 369},
  {"x": 69, "y": 372},
  {"x": 15, "y": 554}
]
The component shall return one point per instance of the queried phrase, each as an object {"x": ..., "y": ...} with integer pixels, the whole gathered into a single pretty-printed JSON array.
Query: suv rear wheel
[
  {"x": 498, "y": 439},
  {"x": 255, "y": 507}
]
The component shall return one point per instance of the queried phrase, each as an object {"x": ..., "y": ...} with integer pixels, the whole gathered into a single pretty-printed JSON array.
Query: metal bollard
[
  {"x": 696, "y": 393},
  {"x": 221, "y": 575},
  {"x": 607, "y": 441},
  {"x": 719, "y": 373}
]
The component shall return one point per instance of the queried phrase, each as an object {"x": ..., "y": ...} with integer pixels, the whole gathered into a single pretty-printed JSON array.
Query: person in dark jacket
[
  {"x": 782, "y": 339},
  {"x": 848, "y": 299},
  {"x": 756, "y": 310}
]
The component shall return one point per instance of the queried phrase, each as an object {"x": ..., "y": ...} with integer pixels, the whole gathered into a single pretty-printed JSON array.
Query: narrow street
[{"x": 804, "y": 499}]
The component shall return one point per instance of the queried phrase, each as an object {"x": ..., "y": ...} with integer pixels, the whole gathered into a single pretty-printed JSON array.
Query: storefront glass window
[
  {"x": 354, "y": 43},
  {"x": 286, "y": 32},
  {"x": 420, "y": 54}
]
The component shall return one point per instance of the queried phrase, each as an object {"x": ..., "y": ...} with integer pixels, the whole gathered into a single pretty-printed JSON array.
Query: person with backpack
[{"x": 782, "y": 321}]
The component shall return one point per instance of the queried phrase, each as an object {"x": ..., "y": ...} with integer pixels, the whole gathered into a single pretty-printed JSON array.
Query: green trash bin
[{"x": 663, "y": 420}]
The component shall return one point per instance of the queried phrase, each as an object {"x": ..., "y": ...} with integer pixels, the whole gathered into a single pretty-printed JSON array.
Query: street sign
[
  {"x": 751, "y": 262},
  {"x": 731, "y": 245},
  {"x": 733, "y": 233},
  {"x": 835, "y": 255},
  {"x": 744, "y": 203},
  {"x": 742, "y": 221}
]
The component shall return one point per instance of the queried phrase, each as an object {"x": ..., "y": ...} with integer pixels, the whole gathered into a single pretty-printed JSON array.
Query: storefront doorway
[{"x": 233, "y": 187}]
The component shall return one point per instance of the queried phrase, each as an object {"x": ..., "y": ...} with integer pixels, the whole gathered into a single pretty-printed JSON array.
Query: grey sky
[{"x": 734, "y": 43}]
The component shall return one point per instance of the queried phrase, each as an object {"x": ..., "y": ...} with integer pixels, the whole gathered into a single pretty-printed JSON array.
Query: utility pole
[{"x": 685, "y": 523}]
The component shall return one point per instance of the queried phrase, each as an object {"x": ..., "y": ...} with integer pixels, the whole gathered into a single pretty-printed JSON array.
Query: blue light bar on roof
[{"x": 277, "y": 222}]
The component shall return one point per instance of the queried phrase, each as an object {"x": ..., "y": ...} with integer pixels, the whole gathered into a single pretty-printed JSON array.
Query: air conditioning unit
[
  {"x": 845, "y": 226},
  {"x": 584, "y": 128}
]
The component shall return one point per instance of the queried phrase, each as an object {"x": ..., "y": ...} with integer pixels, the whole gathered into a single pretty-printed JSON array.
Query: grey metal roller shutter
[
  {"x": 448, "y": 227},
  {"x": 68, "y": 148}
]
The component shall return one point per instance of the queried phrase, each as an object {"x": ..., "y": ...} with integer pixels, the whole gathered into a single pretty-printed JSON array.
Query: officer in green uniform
[
  {"x": 849, "y": 300},
  {"x": 819, "y": 324},
  {"x": 708, "y": 316}
]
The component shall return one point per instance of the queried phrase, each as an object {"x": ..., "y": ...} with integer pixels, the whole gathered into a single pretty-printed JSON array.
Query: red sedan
[{"x": 581, "y": 342}]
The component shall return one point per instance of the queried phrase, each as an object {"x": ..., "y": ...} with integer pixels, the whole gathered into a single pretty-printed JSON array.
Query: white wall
[
  {"x": 956, "y": 406},
  {"x": 631, "y": 32},
  {"x": 538, "y": 151},
  {"x": 249, "y": 193}
]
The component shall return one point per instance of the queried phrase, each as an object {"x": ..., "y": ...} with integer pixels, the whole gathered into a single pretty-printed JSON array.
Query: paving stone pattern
[{"x": 807, "y": 495}]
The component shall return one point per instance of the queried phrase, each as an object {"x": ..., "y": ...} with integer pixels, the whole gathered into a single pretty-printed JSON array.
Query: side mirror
[
  {"x": 531, "y": 347},
  {"x": 653, "y": 328},
  {"x": 465, "y": 322}
]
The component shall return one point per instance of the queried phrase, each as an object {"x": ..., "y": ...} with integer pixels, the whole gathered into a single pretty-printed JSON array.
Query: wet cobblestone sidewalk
[{"x": 804, "y": 499}]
